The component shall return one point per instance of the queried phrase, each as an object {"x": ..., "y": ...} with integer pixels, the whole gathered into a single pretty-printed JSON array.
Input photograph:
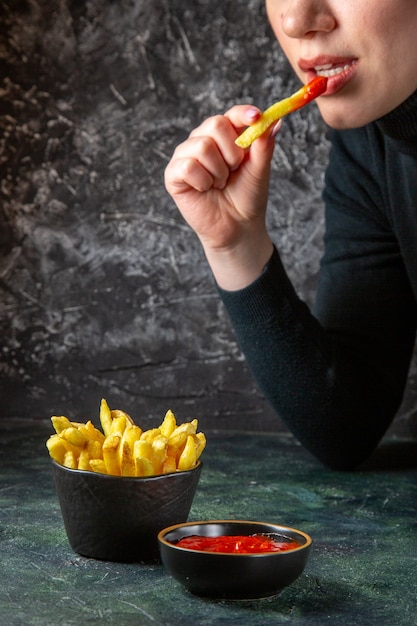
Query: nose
[{"x": 305, "y": 18}]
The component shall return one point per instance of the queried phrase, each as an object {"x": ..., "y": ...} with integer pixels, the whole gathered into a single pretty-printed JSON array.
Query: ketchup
[{"x": 236, "y": 544}]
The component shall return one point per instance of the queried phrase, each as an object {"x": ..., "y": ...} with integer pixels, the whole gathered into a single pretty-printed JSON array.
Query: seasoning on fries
[{"x": 122, "y": 448}]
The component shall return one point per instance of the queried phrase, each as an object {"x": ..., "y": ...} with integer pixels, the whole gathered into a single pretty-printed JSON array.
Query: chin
[{"x": 346, "y": 119}]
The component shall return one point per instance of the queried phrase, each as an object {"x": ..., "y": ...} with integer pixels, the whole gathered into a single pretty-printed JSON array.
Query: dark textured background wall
[{"x": 104, "y": 290}]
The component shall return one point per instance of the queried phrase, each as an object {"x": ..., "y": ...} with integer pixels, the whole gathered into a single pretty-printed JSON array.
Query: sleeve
[{"x": 335, "y": 376}]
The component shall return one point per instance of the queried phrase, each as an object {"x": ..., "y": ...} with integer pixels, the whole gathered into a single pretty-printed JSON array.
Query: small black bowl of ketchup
[{"x": 234, "y": 559}]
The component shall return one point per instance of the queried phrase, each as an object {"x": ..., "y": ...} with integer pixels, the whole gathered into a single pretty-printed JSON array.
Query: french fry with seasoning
[
  {"x": 122, "y": 448},
  {"x": 300, "y": 98}
]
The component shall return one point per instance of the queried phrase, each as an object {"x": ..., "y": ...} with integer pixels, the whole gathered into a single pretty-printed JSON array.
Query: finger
[
  {"x": 242, "y": 115},
  {"x": 257, "y": 168},
  {"x": 188, "y": 173},
  {"x": 246, "y": 115},
  {"x": 261, "y": 150},
  {"x": 224, "y": 134},
  {"x": 198, "y": 162}
]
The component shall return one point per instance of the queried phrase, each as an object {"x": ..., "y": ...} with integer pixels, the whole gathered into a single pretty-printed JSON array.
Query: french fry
[
  {"x": 60, "y": 423},
  {"x": 118, "y": 425},
  {"x": 126, "y": 461},
  {"x": 126, "y": 450},
  {"x": 303, "y": 96},
  {"x": 169, "y": 424},
  {"x": 142, "y": 449},
  {"x": 76, "y": 424},
  {"x": 179, "y": 436},
  {"x": 70, "y": 447},
  {"x": 69, "y": 460},
  {"x": 149, "y": 435},
  {"x": 169, "y": 466},
  {"x": 130, "y": 436},
  {"x": 91, "y": 432},
  {"x": 133, "y": 434},
  {"x": 94, "y": 449},
  {"x": 144, "y": 467},
  {"x": 105, "y": 417},
  {"x": 56, "y": 448},
  {"x": 98, "y": 465},
  {"x": 116, "y": 413},
  {"x": 110, "y": 454},
  {"x": 83, "y": 460},
  {"x": 188, "y": 457},
  {"x": 159, "y": 452},
  {"x": 200, "y": 443},
  {"x": 74, "y": 436}
]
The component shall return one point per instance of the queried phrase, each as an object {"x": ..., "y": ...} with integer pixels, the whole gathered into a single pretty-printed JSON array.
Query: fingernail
[
  {"x": 252, "y": 114},
  {"x": 275, "y": 130}
]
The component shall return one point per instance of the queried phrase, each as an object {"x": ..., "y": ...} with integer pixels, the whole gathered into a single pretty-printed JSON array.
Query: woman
[{"x": 336, "y": 375}]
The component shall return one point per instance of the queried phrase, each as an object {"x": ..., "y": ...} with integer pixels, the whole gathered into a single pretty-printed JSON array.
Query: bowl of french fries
[{"x": 119, "y": 485}]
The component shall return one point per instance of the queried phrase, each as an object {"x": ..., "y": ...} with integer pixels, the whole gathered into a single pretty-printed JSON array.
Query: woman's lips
[{"x": 337, "y": 70}]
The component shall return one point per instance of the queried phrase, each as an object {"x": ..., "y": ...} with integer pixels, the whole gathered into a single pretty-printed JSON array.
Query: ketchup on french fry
[{"x": 303, "y": 96}]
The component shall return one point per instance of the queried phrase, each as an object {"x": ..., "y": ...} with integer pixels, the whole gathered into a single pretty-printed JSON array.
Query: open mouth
[{"x": 328, "y": 70}]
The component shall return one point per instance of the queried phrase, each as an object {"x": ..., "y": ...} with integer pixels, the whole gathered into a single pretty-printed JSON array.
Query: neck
[{"x": 400, "y": 125}]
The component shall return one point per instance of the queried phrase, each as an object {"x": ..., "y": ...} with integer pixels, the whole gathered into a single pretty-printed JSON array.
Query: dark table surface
[{"x": 362, "y": 569}]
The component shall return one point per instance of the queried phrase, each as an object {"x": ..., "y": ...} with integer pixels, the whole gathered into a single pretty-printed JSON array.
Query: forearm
[{"x": 335, "y": 395}]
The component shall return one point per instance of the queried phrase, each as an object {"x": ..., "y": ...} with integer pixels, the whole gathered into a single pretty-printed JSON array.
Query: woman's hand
[{"x": 222, "y": 191}]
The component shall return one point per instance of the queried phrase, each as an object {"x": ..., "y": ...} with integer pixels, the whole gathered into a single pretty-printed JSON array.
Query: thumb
[{"x": 259, "y": 155}]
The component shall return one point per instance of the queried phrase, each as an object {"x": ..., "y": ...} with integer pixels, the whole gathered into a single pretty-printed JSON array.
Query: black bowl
[
  {"x": 115, "y": 518},
  {"x": 233, "y": 576}
]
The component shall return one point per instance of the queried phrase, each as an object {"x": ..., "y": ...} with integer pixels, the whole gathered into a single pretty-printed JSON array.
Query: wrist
[{"x": 237, "y": 267}]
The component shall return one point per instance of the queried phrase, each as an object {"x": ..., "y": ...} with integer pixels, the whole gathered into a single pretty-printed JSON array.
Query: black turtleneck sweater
[{"x": 336, "y": 376}]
